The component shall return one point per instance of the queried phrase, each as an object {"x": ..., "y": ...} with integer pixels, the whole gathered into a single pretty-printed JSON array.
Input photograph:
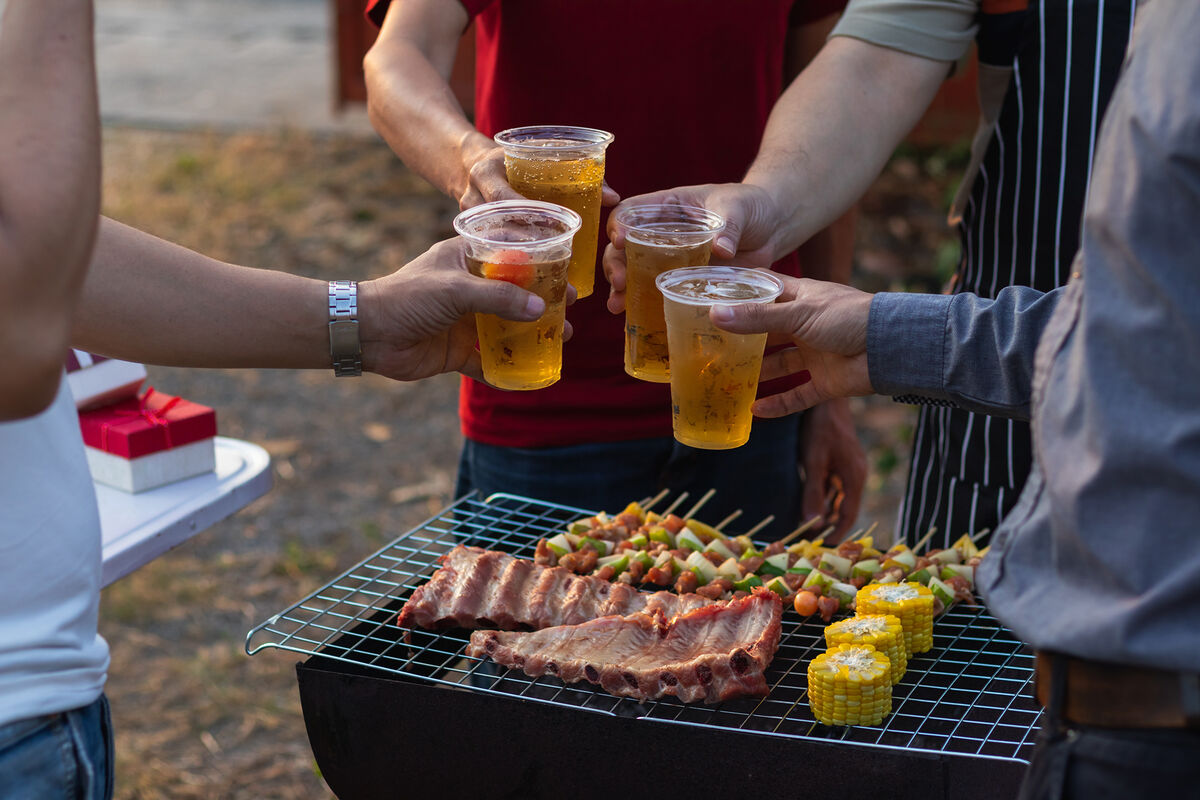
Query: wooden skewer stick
[
  {"x": 653, "y": 501},
  {"x": 678, "y": 500},
  {"x": 804, "y": 527},
  {"x": 691, "y": 514},
  {"x": 721, "y": 525},
  {"x": 870, "y": 529},
  {"x": 979, "y": 535},
  {"x": 826, "y": 532},
  {"x": 925, "y": 539},
  {"x": 769, "y": 519}
]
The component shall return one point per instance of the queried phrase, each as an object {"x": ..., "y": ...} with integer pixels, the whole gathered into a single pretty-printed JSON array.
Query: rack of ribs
[
  {"x": 711, "y": 653},
  {"x": 477, "y": 588}
]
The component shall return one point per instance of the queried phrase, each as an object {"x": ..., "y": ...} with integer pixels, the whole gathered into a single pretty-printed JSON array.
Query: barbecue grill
[{"x": 393, "y": 713}]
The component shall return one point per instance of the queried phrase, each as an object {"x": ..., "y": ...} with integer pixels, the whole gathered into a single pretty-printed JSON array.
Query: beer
[
  {"x": 714, "y": 374},
  {"x": 562, "y": 165},
  {"x": 528, "y": 244},
  {"x": 523, "y": 355},
  {"x": 658, "y": 238}
]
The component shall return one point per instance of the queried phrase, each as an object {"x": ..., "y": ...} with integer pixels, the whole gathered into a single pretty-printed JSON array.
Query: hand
[
  {"x": 418, "y": 321},
  {"x": 487, "y": 179},
  {"x": 827, "y": 324},
  {"x": 832, "y": 459},
  {"x": 751, "y": 220}
]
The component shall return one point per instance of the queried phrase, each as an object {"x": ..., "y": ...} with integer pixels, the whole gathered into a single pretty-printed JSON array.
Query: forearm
[
  {"x": 49, "y": 189},
  {"x": 832, "y": 131},
  {"x": 975, "y": 353},
  {"x": 152, "y": 301},
  {"x": 409, "y": 98}
]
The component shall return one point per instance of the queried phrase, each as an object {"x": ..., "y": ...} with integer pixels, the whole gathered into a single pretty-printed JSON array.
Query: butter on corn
[
  {"x": 911, "y": 603},
  {"x": 882, "y": 631},
  {"x": 850, "y": 684}
]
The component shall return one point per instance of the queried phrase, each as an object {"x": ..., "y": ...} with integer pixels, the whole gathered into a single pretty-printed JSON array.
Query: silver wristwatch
[{"x": 344, "y": 345}]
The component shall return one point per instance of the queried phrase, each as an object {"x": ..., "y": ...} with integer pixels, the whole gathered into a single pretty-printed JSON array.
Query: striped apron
[{"x": 1047, "y": 71}]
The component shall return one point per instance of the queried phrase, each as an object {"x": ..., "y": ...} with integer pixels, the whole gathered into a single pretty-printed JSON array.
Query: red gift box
[{"x": 152, "y": 422}]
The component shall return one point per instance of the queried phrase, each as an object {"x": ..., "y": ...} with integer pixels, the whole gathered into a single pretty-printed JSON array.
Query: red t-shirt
[{"x": 686, "y": 96}]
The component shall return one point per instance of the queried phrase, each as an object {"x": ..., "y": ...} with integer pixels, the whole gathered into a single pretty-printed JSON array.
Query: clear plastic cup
[
  {"x": 526, "y": 243},
  {"x": 714, "y": 373},
  {"x": 658, "y": 238},
  {"x": 564, "y": 165}
]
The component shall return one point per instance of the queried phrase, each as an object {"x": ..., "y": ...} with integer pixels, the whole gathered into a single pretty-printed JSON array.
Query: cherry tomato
[
  {"x": 511, "y": 266},
  {"x": 806, "y": 604}
]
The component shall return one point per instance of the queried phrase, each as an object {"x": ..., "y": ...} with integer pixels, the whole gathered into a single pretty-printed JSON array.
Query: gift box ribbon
[
  {"x": 152, "y": 422},
  {"x": 155, "y": 416}
]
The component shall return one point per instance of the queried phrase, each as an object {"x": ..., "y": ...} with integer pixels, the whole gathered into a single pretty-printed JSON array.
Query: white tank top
[{"x": 51, "y": 657}]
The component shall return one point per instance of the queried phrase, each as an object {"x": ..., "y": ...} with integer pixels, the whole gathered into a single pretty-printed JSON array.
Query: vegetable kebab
[{"x": 643, "y": 548}]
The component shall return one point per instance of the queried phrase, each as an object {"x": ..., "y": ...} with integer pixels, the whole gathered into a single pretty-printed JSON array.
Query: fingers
[
  {"x": 473, "y": 367},
  {"x": 614, "y": 270},
  {"x": 488, "y": 182},
  {"x": 781, "y": 363},
  {"x": 792, "y": 401},
  {"x": 608, "y": 197}
]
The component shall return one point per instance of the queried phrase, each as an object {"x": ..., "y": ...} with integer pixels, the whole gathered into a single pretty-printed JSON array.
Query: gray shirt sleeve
[
  {"x": 941, "y": 30},
  {"x": 961, "y": 349}
]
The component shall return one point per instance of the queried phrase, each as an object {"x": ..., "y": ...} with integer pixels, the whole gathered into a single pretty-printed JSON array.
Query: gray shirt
[{"x": 1101, "y": 557}]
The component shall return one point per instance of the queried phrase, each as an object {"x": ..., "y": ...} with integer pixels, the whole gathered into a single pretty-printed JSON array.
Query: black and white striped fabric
[{"x": 1020, "y": 226}]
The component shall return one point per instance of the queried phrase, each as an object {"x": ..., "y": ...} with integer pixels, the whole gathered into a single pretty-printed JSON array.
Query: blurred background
[{"x": 235, "y": 127}]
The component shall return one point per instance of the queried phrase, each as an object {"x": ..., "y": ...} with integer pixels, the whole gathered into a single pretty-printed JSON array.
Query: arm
[
  {"x": 49, "y": 190},
  {"x": 829, "y": 452},
  {"x": 412, "y": 106},
  {"x": 974, "y": 353},
  {"x": 152, "y": 301}
]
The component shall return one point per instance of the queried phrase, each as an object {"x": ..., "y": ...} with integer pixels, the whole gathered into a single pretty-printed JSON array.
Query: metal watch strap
[{"x": 344, "y": 345}]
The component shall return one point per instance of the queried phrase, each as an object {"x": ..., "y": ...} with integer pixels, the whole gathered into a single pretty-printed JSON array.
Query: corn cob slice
[
  {"x": 882, "y": 631},
  {"x": 912, "y": 603},
  {"x": 850, "y": 684}
]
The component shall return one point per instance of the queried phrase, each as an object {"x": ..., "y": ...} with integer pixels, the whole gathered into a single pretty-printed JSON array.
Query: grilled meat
[
  {"x": 477, "y": 588},
  {"x": 712, "y": 653}
]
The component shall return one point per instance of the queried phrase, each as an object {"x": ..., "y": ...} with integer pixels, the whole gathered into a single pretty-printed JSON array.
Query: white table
[{"x": 138, "y": 528}]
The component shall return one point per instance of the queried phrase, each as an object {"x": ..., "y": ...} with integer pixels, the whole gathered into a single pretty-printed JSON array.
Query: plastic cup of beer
[
  {"x": 658, "y": 238},
  {"x": 564, "y": 165},
  {"x": 714, "y": 373},
  {"x": 526, "y": 243}
]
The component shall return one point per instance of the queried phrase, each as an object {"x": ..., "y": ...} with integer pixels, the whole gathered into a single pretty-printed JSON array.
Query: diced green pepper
[{"x": 747, "y": 583}]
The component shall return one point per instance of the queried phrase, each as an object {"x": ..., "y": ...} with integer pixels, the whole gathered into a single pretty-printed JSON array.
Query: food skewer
[
  {"x": 804, "y": 527},
  {"x": 924, "y": 540},
  {"x": 767, "y": 521},
  {"x": 691, "y": 514},
  {"x": 678, "y": 501},
  {"x": 737, "y": 512},
  {"x": 645, "y": 548},
  {"x": 650, "y": 502}
]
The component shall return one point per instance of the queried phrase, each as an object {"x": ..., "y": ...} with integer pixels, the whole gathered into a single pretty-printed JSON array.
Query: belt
[{"x": 1103, "y": 695}]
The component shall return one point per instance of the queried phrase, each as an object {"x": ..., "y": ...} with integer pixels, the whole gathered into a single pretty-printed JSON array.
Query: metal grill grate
[{"x": 970, "y": 695}]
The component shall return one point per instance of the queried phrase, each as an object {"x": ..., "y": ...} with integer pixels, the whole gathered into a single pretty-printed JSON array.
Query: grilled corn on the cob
[
  {"x": 882, "y": 631},
  {"x": 850, "y": 684},
  {"x": 912, "y": 603}
]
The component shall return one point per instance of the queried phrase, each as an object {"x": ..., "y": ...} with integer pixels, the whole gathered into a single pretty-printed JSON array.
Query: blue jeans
[
  {"x": 760, "y": 477},
  {"x": 66, "y": 756},
  {"x": 1078, "y": 763}
]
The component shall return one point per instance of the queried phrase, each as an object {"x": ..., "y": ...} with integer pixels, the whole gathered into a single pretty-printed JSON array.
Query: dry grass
[{"x": 355, "y": 462}]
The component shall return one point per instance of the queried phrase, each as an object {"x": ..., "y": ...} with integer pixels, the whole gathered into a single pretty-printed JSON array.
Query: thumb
[
  {"x": 501, "y": 298},
  {"x": 755, "y": 317}
]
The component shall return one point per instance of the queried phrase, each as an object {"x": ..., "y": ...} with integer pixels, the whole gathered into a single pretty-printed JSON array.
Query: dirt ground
[{"x": 355, "y": 463}]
